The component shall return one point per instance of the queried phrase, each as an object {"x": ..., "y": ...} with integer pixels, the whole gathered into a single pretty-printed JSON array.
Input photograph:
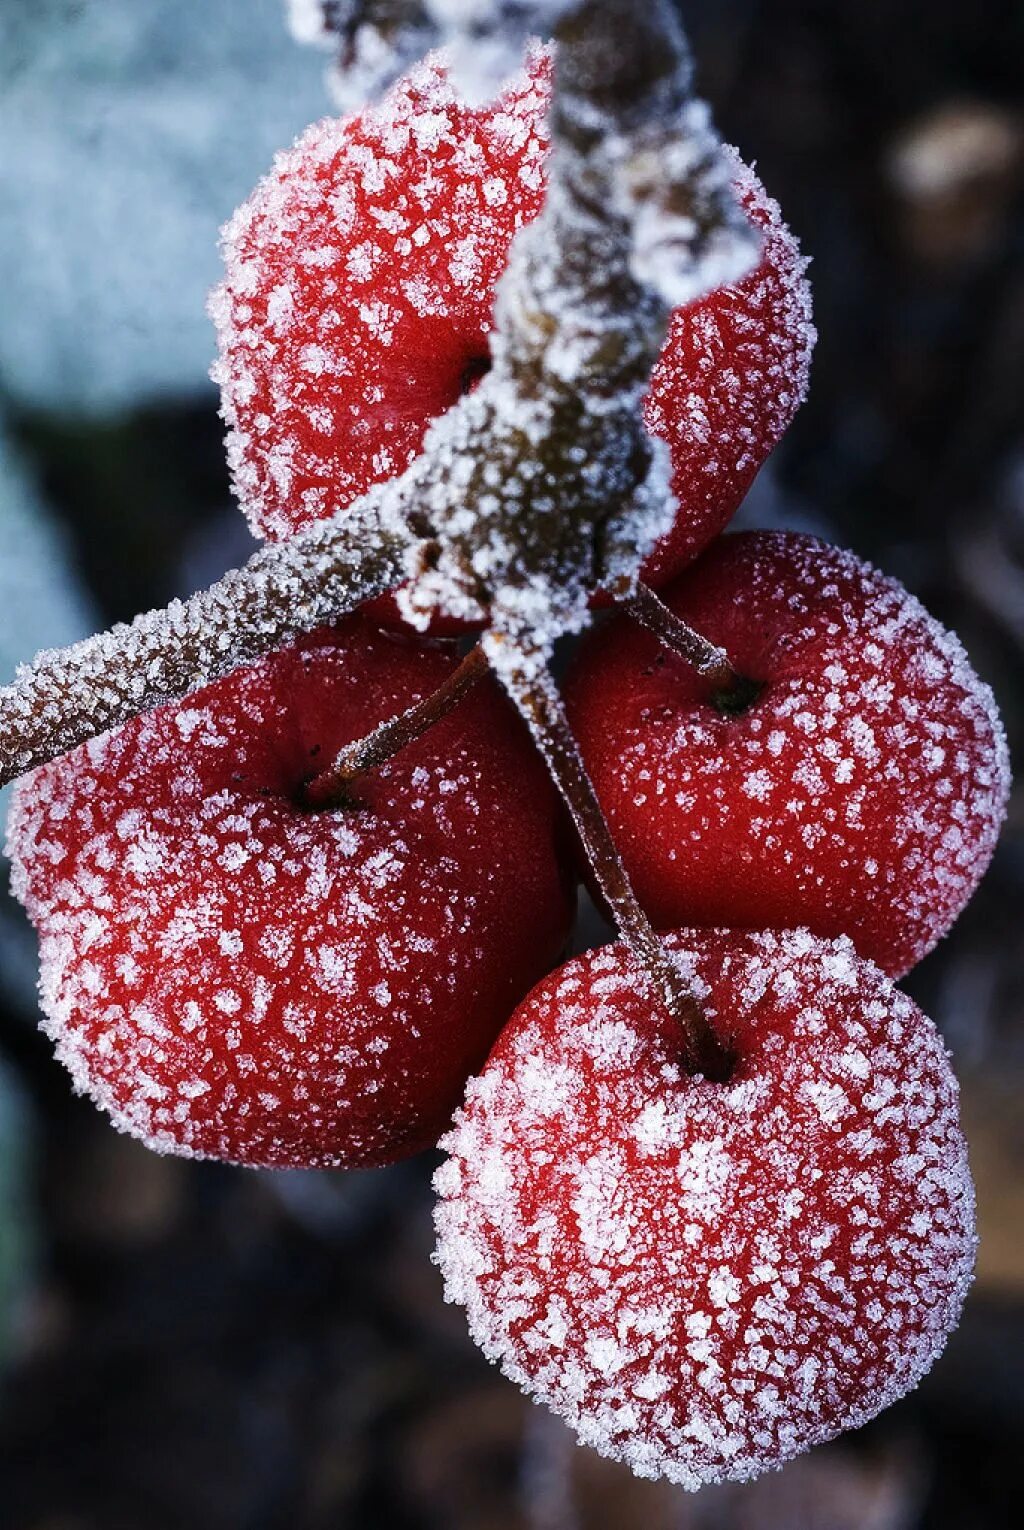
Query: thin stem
[
  {"x": 707, "y": 658},
  {"x": 528, "y": 681},
  {"x": 731, "y": 692},
  {"x": 332, "y": 788}
]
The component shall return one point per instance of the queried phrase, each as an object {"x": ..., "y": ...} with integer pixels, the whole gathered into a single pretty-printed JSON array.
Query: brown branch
[
  {"x": 731, "y": 691},
  {"x": 332, "y": 788},
  {"x": 580, "y": 318},
  {"x": 528, "y": 681},
  {"x": 67, "y": 696},
  {"x": 639, "y": 214}
]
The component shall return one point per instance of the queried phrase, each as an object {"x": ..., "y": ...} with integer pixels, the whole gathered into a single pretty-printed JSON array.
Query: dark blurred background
[{"x": 187, "y": 1345}]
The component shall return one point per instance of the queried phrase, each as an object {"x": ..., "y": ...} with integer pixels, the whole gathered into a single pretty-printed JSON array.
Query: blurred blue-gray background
[{"x": 188, "y": 1346}]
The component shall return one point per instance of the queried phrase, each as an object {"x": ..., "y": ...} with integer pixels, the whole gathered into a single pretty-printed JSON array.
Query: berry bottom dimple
[{"x": 706, "y": 1279}]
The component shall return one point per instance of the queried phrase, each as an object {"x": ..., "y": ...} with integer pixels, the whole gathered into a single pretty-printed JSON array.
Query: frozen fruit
[
  {"x": 861, "y": 792},
  {"x": 706, "y": 1279},
  {"x": 232, "y": 975}
]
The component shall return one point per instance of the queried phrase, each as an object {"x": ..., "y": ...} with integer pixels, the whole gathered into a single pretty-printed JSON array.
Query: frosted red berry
[
  {"x": 230, "y": 975},
  {"x": 706, "y": 1279},
  {"x": 861, "y": 793},
  {"x": 358, "y": 301}
]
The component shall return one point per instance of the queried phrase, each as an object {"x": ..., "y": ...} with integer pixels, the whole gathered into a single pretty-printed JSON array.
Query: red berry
[
  {"x": 706, "y": 1279},
  {"x": 358, "y": 301},
  {"x": 232, "y": 976},
  {"x": 860, "y": 794}
]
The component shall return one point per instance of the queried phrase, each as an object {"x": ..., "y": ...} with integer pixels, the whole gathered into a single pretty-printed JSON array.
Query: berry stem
[
  {"x": 333, "y": 787},
  {"x": 731, "y": 691},
  {"x": 529, "y": 682}
]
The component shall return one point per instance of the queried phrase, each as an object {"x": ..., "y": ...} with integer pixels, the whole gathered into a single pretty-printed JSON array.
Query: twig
[
  {"x": 639, "y": 216},
  {"x": 67, "y": 696},
  {"x": 332, "y": 787},
  {"x": 707, "y": 658},
  {"x": 528, "y": 681},
  {"x": 510, "y": 498}
]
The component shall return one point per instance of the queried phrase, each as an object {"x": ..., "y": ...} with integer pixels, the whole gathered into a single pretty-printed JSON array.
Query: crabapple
[
  {"x": 231, "y": 975},
  {"x": 358, "y": 298},
  {"x": 706, "y": 1279},
  {"x": 860, "y": 793}
]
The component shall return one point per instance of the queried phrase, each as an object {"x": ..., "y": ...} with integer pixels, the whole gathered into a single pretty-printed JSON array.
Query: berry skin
[
  {"x": 706, "y": 1279},
  {"x": 862, "y": 792},
  {"x": 231, "y": 976},
  {"x": 358, "y": 300}
]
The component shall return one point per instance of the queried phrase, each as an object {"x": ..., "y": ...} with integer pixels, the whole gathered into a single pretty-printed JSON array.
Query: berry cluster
[{"x": 253, "y": 954}]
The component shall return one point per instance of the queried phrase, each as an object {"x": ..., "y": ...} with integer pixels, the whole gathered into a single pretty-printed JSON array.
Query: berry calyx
[
  {"x": 232, "y": 975},
  {"x": 859, "y": 787},
  {"x": 358, "y": 302},
  {"x": 706, "y": 1279}
]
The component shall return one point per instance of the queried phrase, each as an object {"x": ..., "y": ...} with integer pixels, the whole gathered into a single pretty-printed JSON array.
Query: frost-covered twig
[
  {"x": 69, "y": 695},
  {"x": 553, "y": 487},
  {"x": 542, "y": 486}
]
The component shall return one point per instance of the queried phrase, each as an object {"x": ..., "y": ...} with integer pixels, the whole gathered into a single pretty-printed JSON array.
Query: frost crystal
[
  {"x": 373, "y": 43},
  {"x": 485, "y": 38},
  {"x": 310, "y": 20}
]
